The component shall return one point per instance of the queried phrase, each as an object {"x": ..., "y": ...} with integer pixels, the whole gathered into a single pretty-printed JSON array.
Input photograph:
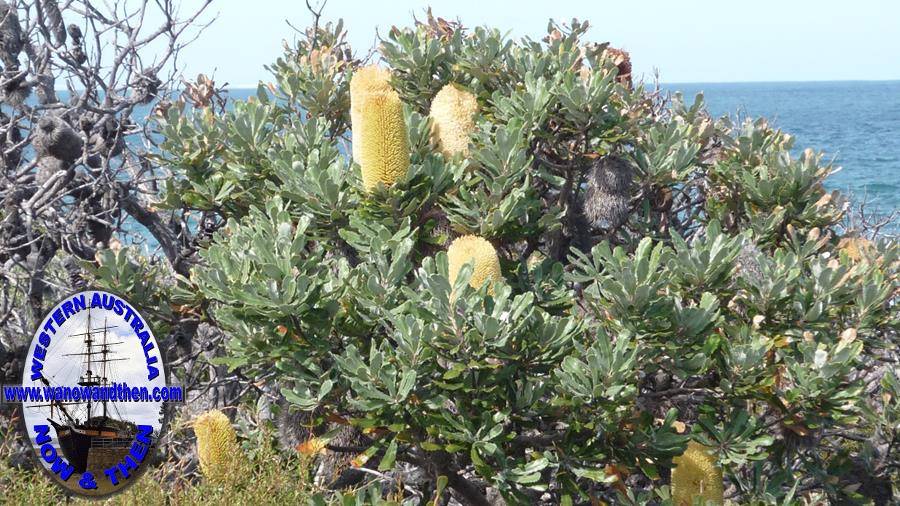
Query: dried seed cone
[
  {"x": 54, "y": 137},
  {"x": 453, "y": 119},
  {"x": 696, "y": 475},
  {"x": 748, "y": 265},
  {"x": 11, "y": 40},
  {"x": 609, "y": 188},
  {"x": 217, "y": 446},
  {"x": 370, "y": 79},
  {"x": 472, "y": 248},
  {"x": 622, "y": 60},
  {"x": 380, "y": 136}
]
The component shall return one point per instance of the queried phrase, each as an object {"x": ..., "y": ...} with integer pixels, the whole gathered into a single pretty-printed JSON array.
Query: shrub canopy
[{"x": 666, "y": 276}]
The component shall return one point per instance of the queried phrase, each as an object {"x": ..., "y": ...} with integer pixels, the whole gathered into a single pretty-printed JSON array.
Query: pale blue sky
[{"x": 686, "y": 40}]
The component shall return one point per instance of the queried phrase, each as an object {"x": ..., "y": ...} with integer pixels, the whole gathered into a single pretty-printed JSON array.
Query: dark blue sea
[{"x": 857, "y": 123}]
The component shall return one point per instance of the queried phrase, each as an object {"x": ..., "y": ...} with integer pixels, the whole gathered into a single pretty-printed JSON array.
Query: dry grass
[{"x": 271, "y": 479}]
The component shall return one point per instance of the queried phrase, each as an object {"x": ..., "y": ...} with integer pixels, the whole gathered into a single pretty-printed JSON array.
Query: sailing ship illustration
[{"x": 91, "y": 438}]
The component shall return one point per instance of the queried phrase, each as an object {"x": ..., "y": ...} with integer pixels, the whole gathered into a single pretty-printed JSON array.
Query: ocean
[{"x": 857, "y": 123}]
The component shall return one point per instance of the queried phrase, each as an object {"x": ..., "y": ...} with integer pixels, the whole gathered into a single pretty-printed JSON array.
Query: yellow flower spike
[
  {"x": 217, "y": 446},
  {"x": 369, "y": 79},
  {"x": 473, "y": 248},
  {"x": 453, "y": 119},
  {"x": 365, "y": 80},
  {"x": 381, "y": 139},
  {"x": 696, "y": 475}
]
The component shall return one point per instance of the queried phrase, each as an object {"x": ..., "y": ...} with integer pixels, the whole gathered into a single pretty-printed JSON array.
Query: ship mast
[
  {"x": 89, "y": 378},
  {"x": 103, "y": 380},
  {"x": 86, "y": 381}
]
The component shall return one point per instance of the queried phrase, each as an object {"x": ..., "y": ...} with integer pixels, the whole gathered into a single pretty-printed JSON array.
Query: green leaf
[{"x": 390, "y": 455}]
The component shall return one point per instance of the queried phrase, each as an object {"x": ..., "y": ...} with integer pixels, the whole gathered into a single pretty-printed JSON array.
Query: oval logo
[{"x": 93, "y": 393}]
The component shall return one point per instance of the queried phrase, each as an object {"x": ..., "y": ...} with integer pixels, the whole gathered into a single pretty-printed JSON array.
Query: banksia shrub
[
  {"x": 217, "y": 446},
  {"x": 648, "y": 248},
  {"x": 470, "y": 248},
  {"x": 696, "y": 475},
  {"x": 380, "y": 138},
  {"x": 453, "y": 119}
]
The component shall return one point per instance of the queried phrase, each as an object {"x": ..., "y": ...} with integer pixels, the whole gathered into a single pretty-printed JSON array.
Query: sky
[{"x": 685, "y": 40}]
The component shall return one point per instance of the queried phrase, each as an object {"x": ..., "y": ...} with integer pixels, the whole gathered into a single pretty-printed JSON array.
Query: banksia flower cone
[
  {"x": 380, "y": 137},
  {"x": 217, "y": 446},
  {"x": 371, "y": 79},
  {"x": 453, "y": 119},
  {"x": 696, "y": 475},
  {"x": 475, "y": 249},
  {"x": 380, "y": 145}
]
